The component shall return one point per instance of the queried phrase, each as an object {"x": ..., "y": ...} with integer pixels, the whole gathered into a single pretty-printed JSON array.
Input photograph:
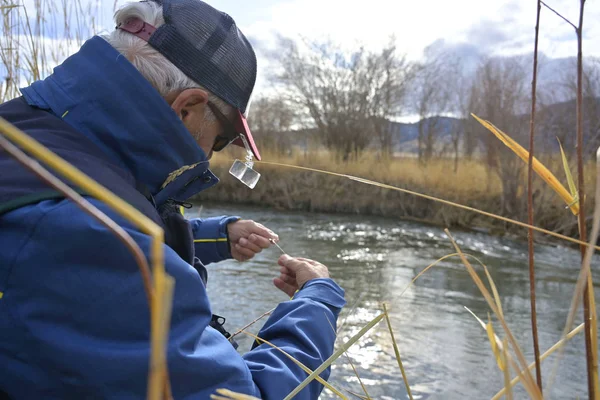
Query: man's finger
[
  {"x": 261, "y": 241},
  {"x": 284, "y": 287},
  {"x": 245, "y": 243},
  {"x": 293, "y": 264},
  {"x": 263, "y": 231},
  {"x": 285, "y": 270},
  {"x": 308, "y": 260},
  {"x": 288, "y": 279},
  {"x": 244, "y": 251}
]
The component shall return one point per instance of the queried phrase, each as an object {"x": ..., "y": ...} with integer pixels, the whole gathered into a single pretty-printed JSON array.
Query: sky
[
  {"x": 468, "y": 27},
  {"x": 491, "y": 26}
]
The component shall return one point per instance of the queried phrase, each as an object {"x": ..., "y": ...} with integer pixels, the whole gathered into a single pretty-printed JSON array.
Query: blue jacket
[{"x": 74, "y": 320}]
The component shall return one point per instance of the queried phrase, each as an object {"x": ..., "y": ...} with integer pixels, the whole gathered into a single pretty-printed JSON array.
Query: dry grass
[
  {"x": 471, "y": 184},
  {"x": 471, "y": 176},
  {"x": 37, "y": 38}
]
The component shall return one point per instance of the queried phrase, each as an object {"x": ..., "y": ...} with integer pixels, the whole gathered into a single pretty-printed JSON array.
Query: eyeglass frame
[{"x": 223, "y": 140}]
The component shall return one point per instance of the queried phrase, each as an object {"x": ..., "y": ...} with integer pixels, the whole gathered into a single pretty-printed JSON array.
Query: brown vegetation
[{"x": 282, "y": 188}]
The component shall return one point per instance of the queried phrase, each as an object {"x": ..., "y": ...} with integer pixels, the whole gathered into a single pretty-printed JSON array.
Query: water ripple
[{"x": 445, "y": 351}]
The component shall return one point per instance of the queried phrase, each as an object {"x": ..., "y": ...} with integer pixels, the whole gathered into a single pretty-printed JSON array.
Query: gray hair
[{"x": 160, "y": 72}]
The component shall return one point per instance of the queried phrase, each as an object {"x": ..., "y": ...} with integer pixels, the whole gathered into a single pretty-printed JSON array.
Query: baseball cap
[{"x": 206, "y": 45}]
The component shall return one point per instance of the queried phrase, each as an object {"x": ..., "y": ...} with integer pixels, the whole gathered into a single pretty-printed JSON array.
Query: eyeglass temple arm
[{"x": 249, "y": 155}]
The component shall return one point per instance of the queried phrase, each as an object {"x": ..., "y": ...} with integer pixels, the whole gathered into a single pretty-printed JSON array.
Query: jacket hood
[{"x": 101, "y": 94}]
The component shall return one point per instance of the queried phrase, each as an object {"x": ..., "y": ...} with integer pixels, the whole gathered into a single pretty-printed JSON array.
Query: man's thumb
[{"x": 289, "y": 262}]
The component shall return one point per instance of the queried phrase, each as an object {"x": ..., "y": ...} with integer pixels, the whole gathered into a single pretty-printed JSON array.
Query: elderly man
[{"x": 141, "y": 111}]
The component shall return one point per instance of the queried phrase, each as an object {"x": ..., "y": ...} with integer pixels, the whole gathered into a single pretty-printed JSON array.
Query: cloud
[
  {"x": 350, "y": 22},
  {"x": 468, "y": 28},
  {"x": 511, "y": 7},
  {"x": 496, "y": 26},
  {"x": 487, "y": 34},
  {"x": 465, "y": 51}
]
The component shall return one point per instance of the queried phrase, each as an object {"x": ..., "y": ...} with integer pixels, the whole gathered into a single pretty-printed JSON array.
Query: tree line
[{"x": 346, "y": 101}]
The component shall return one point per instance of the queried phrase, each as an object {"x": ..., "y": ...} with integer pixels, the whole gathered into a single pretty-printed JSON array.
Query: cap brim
[{"x": 241, "y": 125}]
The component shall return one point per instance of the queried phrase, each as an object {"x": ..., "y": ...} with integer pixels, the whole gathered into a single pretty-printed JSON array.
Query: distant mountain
[
  {"x": 553, "y": 121},
  {"x": 406, "y": 132}
]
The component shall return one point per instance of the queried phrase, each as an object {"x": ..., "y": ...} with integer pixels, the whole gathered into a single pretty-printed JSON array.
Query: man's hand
[
  {"x": 295, "y": 272},
  {"x": 247, "y": 238}
]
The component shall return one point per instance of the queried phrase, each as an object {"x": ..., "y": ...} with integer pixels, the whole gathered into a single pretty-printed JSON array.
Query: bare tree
[
  {"x": 434, "y": 91},
  {"x": 591, "y": 104},
  {"x": 470, "y": 127},
  {"x": 464, "y": 138},
  {"x": 271, "y": 119},
  {"x": 500, "y": 94},
  {"x": 348, "y": 98},
  {"x": 393, "y": 76}
]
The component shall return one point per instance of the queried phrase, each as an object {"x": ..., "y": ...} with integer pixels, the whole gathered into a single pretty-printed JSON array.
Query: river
[{"x": 445, "y": 352}]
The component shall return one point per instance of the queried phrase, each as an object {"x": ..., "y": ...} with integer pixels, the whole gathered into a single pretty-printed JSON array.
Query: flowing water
[{"x": 445, "y": 352}]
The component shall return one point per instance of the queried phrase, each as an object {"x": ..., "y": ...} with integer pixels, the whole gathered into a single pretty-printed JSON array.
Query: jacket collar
[{"x": 101, "y": 94}]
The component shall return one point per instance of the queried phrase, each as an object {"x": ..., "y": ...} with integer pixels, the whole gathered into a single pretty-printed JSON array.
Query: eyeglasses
[{"x": 229, "y": 134}]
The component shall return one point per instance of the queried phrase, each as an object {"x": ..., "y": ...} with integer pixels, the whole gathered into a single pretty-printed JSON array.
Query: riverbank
[{"x": 284, "y": 188}]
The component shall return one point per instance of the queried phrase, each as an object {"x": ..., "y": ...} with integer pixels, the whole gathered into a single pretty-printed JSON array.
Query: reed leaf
[
  {"x": 546, "y": 354},
  {"x": 9, "y": 7},
  {"x": 358, "y": 396},
  {"x": 528, "y": 382},
  {"x": 298, "y": 363},
  {"x": 433, "y": 264},
  {"x": 585, "y": 278},
  {"x": 570, "y": 180},
  {"x": 439, "y": 200},
  {"x": 163, "y": 301},
  {"x": 497, "y": 344},
  {"x": 397, "y": 351},
  {"x": 362, "y": 385},
  {"x": 226, "y": 394},
  {"x": 507, "y": 387},
  {"x": 494, "y": 289},
  {"x": 509, "y": 360},
  {"x": 335, "y": 356},
  {"x": 538, "y": 167},
  {"x": 593, "y": 326},
  {"x": 489, "y": 328}
]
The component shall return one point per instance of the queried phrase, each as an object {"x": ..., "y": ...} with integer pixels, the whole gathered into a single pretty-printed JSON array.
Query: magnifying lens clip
[{"x": 243, "y": 170}]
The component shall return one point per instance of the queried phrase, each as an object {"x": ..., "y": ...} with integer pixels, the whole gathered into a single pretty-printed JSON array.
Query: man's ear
[{"x": 189, "y": 101}]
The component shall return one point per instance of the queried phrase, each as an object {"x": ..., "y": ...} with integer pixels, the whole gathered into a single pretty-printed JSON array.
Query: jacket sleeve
[
  {"x": 305, "y": 329},
  {"x": 85, "y": 325},
  {"x": 211, "y": 243}
]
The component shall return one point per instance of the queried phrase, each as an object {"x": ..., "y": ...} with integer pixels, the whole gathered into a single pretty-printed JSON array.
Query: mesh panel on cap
[{"x": 207, "y": 46}]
